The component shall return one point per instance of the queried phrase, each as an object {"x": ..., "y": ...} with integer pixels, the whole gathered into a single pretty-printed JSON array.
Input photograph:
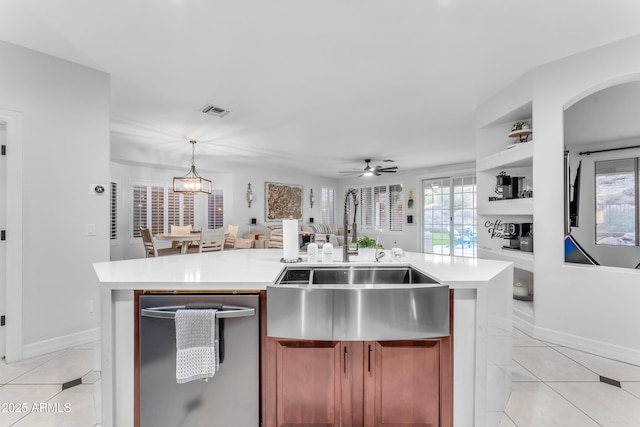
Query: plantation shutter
[
  {"x": 157, "y": 210},
  {"x": 396, "y": 219},
  {"x": 328, "y": 206},
  {"x": 187, "y": 214},
  {"x": 215, "y": 211},
  {"x": 380, "y": 204},
  {"x": 366, "y": 206},
  {"x": 173, "y": 208},
  {"x": 114, "y": 210},
  {"x": 139, "y": 214}
]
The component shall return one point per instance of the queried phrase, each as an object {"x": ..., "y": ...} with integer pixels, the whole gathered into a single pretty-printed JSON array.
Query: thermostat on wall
[{"x": 98, "y": 189}]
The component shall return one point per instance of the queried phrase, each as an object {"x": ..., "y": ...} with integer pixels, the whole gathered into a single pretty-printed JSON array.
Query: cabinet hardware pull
[
  {"x": 346, "y": 361},
  {"x": 369, "y": 358}
]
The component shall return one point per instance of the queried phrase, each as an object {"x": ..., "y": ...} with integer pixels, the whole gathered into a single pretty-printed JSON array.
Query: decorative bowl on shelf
[{"x": 521, "y": 130}]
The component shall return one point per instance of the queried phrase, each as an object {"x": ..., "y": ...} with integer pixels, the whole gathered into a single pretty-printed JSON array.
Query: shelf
[
  {"x": 520, "y": 155},
  {"x": 521, "y": 260},
  {"x": 506, "y": 207}
]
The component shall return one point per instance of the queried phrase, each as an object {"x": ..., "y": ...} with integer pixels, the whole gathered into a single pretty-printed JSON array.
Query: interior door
[{"x": 3, "y": 223}]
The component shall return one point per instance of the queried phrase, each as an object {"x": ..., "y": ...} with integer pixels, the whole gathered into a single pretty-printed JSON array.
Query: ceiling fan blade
[{"x": 391, "y": 169}]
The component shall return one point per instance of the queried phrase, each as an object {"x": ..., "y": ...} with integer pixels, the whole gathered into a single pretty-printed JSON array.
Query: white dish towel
[{"x": 196, "y": 344}]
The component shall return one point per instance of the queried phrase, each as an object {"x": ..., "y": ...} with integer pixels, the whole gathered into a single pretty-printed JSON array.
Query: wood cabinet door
[
  {"x": 402, "y": 383},
  {"x": 309, "y": 383}
]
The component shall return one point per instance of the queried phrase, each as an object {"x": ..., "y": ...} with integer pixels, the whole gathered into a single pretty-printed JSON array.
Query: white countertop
[{"x": 254, "y": 269}]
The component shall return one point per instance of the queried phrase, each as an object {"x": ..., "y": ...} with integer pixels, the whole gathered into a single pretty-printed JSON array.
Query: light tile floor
[
  {"x": 32, "y": 394},
  {"x": 558, "y": 386},
  {"x": 552, "y": 386}
]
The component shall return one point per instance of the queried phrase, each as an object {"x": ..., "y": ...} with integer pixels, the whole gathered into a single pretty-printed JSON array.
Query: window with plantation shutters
[
  {"x": 114, "y": 210},
  {"x": 379, "y": 207},
  {"x": 328, "y": 206},
  {"x": 157, "y": 207},
  {"x": 215, "y": 209},
  {"x": 396, "y": 214},
  {"x": 139, "y": 209}
]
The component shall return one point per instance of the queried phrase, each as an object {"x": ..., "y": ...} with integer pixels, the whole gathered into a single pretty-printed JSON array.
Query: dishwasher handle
[{"x": 169, "y": 312}]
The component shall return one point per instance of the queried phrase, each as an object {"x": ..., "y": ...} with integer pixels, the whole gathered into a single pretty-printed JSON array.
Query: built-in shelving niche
[{"x": 496, "y": 152}]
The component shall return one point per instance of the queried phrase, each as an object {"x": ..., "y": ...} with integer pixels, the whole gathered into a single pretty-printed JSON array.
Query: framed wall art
[{"x": 282, "y": 201}]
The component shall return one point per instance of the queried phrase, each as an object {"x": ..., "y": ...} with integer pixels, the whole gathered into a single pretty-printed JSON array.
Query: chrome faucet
[
  {"x": 345, "y": 232},
  {"x": 378, "y": 254}
]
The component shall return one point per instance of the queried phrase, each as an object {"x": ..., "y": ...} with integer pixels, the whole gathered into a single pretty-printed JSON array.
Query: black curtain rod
[{"x": 607, "y": 149}]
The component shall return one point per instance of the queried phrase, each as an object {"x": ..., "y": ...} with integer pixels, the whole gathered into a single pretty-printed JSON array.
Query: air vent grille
[{"x": 212, "y": 110}]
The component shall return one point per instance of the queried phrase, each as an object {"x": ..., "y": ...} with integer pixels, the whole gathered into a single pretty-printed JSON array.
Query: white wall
[
  {"x": 590, "y": 308},
  {"x": 65, "y": 149}
]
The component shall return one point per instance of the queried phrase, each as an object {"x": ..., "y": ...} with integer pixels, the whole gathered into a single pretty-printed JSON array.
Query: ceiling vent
[{"x": 212, "y": 110}]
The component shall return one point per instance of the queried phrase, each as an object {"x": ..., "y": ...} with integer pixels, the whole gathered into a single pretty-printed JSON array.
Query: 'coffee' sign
[{"x": 497, "y": 229}]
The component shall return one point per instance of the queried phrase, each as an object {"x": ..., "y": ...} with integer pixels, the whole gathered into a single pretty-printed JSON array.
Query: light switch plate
[{"x": 91, "y": 229}]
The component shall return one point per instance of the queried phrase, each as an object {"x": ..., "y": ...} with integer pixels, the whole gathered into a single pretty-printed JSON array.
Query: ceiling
[{"x": 312, "y": 86}]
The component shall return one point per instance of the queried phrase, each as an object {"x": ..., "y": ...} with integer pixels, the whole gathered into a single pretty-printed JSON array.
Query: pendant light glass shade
[{"x": 191, "y": 182}]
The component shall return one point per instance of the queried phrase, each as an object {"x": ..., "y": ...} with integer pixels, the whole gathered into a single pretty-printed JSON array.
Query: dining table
[{"x": 184, "y": 238}]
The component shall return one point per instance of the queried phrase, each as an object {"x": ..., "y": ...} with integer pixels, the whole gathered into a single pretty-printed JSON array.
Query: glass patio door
[{"x": 449, "y": 215}]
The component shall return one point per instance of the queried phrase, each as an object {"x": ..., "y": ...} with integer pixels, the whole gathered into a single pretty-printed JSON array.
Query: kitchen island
[{"x": 482, "y": 295}]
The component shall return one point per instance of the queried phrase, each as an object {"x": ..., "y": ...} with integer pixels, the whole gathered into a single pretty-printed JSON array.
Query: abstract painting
[{"x": 282, "y": 201}]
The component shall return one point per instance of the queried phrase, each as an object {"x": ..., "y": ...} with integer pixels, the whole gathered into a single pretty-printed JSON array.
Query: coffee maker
[
  {"x": 508, "y": 186},
  {"x": 515, "y": 233}
]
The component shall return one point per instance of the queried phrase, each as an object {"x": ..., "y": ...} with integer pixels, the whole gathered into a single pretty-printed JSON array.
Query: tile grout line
[
  {"x": 571, "y": 403},
  {"x": 523, "y": 367}
]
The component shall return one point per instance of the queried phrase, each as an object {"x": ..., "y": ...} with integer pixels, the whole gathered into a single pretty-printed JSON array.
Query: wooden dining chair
[
  {"x": 230, "y": 239},
  {"x": 150, "y": 250},
  {"x": 181, "y": 230},
  {"x": 210, "y": 240}
]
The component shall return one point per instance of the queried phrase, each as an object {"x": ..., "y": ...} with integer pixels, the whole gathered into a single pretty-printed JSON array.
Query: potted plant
[{"x": 367, "y": 242}]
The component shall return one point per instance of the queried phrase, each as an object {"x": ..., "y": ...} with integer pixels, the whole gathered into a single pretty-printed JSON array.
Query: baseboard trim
[
  {"x": 523, "y": 321},
  {"x": 60, "y": 343},
  {"x": 599, "y": 348}
]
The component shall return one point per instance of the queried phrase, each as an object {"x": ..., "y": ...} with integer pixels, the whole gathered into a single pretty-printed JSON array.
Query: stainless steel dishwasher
[{"x": 231, "y": 397}]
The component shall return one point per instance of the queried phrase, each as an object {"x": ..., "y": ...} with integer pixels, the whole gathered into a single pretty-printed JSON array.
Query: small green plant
[{"x": 367, "y": 242}]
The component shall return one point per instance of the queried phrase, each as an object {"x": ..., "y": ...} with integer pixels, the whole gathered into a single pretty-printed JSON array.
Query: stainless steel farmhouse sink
[{"x": 357, "y": 303}]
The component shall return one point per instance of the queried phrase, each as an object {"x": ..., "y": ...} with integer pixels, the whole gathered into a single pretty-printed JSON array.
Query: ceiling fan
[{"x": 371, "y": 170}]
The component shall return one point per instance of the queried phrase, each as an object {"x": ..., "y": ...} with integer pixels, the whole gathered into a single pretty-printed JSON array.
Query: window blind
[{"x": 114, "y": 210}]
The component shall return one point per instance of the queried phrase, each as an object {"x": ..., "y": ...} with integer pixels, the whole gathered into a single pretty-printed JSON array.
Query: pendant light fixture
[{"x": 191, "y": 182}]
